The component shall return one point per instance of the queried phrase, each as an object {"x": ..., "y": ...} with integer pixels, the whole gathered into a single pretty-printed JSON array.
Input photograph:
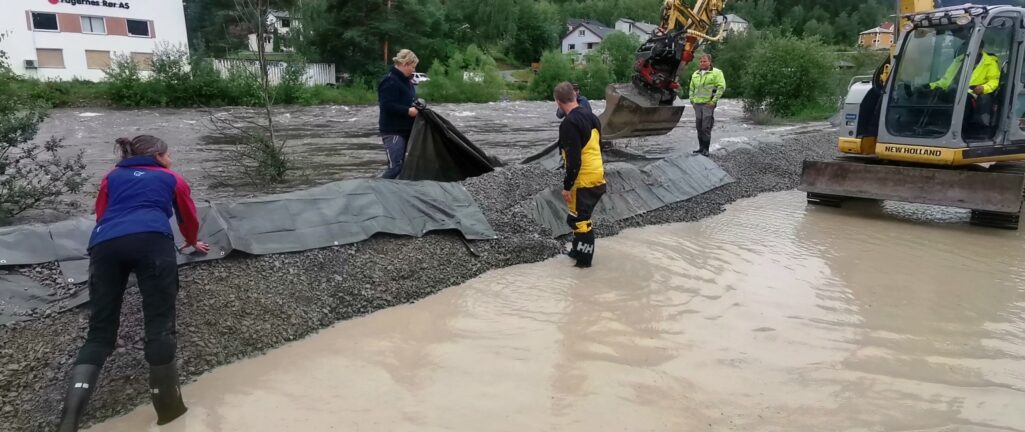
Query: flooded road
[
  {"x": 772, "y": 316},
  {"x": 330, "y": 143}
]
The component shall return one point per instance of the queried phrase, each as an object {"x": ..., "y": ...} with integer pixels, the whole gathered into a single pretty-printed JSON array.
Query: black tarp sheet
[{"x": 438, "y": 151}]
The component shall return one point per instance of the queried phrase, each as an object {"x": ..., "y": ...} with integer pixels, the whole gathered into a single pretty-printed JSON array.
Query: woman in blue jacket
[
  {"x": 396, "y": 95},
  {"x": 134, "y": 206}
]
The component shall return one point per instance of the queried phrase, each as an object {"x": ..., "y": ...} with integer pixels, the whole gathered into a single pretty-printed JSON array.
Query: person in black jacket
[
  {"x": 396, "y": 95},
  {"x": 584, "y": 184}
]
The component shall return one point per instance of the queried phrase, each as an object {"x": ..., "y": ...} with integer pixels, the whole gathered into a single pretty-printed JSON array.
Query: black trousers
[
  {"x": 581, "y": 206},
  {"x": 152, "y": 256}
]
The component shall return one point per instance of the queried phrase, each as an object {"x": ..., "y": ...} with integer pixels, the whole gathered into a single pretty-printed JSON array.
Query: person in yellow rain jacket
[
  {"x": 985, "y": 76},
  {"x": 584, "y": 184},
  {"x": 984, "y": 81},
  {"x": 706, "y": 87}
]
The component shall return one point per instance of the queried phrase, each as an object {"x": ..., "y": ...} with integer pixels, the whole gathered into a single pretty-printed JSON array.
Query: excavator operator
[{"x": 984, "y": 81}]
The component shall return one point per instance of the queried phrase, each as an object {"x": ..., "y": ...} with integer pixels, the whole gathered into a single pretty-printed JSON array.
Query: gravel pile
[{"x": 244, "y": 305}]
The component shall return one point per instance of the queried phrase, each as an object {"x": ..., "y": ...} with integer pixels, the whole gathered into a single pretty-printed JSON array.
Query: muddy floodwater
[{"x": 772, "y": 317}]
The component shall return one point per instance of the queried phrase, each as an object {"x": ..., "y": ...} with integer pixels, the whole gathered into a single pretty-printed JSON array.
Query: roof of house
[
  {"x": 878, "y": 30},
  {"x": 735, "y": 19},
  {"x": 643, "y": 26},
  {"x": 594, "y": 27},
  {"x": 280, "y": 14},
  {"x": 887, "y": 25},
  {"x": 573, "y": 22}
]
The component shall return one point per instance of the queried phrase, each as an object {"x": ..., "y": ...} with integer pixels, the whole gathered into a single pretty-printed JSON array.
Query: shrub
[
  {"x": 30, "y": 173},
  {"x": 787, "y": 75},
  {"x": 556, "y": 67},
  {"x": 469, "y": 76},
  {"x": 289, "y": 90}
]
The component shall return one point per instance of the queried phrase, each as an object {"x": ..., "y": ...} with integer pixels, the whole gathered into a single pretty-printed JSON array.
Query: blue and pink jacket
[{"x": 139, "y": 196}]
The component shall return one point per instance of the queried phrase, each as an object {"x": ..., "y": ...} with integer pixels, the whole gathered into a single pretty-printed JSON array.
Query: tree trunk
[{"x": 262, "y": 10}]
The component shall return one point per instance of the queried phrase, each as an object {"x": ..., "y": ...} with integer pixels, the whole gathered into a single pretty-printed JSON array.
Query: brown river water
[{"x": 773, "y": 316}]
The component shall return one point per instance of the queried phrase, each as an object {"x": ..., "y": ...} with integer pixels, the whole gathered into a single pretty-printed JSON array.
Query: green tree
[
  {"x": 556, "y": 67},
  {"x": 30, "y": 173},
  {"x": 468, "y": 76},
  {"x": 594, "y": 76},
  {"x": 538, "y": 28},
  {"x": 617, "y": 51},
  {"x": 814, "y": 28},
  {"x": 787, "y": 75}
]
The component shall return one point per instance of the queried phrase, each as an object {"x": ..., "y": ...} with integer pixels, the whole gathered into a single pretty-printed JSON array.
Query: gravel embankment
[{"x": 244, "y": 305}]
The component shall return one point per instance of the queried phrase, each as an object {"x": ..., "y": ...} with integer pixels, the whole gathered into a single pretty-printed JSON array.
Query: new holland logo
[{"x": 914, "y": 151}]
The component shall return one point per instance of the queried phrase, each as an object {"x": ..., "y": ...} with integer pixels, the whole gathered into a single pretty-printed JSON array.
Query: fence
[{"x": 316, "y": 73}]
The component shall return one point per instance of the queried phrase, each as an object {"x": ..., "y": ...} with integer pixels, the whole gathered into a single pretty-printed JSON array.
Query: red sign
[{"x": 100, "y": 3}]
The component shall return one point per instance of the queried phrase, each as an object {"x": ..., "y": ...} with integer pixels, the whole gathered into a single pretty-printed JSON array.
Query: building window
[
  {"x": 582, "y": 33},
  {"x": 144, "y": 61},
  {"x": 50, "y": 58},
  {"x": 94, "y": 25},
  {"x": 286, "y": 23},
  {"x": 572, "y": 47},
  {"x": 97, "y": 59},
  {"x": 138, "y": 28},
  {"x": 590, "y": 45},
  {"x": 44, "y": 21}
]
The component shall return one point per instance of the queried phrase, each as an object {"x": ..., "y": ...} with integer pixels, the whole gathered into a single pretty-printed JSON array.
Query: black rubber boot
[
  {"x": 573, "y": 252},
  {"x": 83, "y": 381},
  {"x": 586, "y": 249},
  {"x": 165, "y": 393}
]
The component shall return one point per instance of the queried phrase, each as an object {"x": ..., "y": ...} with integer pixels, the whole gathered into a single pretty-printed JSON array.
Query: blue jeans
[{"x": 395, "y": 150}]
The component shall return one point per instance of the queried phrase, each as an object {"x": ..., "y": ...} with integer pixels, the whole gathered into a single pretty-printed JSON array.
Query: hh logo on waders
[{"x": 585, "y": 248}]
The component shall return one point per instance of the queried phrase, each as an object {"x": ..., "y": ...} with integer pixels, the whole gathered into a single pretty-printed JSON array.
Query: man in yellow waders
[{"x": 584, "y": 185}]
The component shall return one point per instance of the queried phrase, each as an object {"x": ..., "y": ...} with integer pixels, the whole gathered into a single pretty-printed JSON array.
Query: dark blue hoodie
[
  {"x": 395, "y": 94},
  {"x": 139, "y": 196}
]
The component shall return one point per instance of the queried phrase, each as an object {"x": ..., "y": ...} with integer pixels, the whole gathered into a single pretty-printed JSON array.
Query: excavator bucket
[
  {"x": 986, "y": 192},
  {"x": 629, "y": 114}
]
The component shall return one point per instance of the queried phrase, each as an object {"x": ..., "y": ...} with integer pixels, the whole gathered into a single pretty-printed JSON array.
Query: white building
[
  {"x": 584, "y": 37},
  {"x": 734, "y": 24},
  {"x": 640, "y": 29},
  {"x": 279, "y": 25},
  {"x": 66, "y": 39}
]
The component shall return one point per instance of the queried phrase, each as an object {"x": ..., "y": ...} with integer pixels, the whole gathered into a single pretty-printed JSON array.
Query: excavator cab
[{"x": 929, "y": 132}]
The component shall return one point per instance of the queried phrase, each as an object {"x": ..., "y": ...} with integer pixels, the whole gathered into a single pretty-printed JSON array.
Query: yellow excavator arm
[
  {"x": 645, "y": 106},
  {"x": 694, "y": 23}
]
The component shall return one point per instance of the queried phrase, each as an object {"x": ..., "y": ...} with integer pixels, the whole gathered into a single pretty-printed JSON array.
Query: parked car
[{"x": 419, "y": 77}]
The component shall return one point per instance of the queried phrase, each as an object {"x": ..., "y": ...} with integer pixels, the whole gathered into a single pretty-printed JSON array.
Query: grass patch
[{"x": 357, "y": 93}]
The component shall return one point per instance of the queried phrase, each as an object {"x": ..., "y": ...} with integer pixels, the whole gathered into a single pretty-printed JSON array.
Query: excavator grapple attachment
[
  {"x": 629, "y": 113},
  {"x": 994, "y": 196}
]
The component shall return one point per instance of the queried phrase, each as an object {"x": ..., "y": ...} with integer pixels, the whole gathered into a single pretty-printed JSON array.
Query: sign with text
[{"x": 98, "y": 3}]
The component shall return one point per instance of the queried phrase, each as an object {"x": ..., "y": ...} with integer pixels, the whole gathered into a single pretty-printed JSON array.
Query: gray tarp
[
  {"x": 350, "y": 211},
  {"x": 633, "y": 191},
  {"x": 333, "y": 214},
  {"x": 18, "y": 295}
]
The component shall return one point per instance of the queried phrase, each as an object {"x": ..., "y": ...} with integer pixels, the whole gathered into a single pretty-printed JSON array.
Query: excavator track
[{"x": 1001, "y": 220}]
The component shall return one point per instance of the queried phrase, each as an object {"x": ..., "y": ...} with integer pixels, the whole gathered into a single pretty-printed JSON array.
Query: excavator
[
  {"x": 644, "y": 107},
  {"x": 923, "y": 130}
]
